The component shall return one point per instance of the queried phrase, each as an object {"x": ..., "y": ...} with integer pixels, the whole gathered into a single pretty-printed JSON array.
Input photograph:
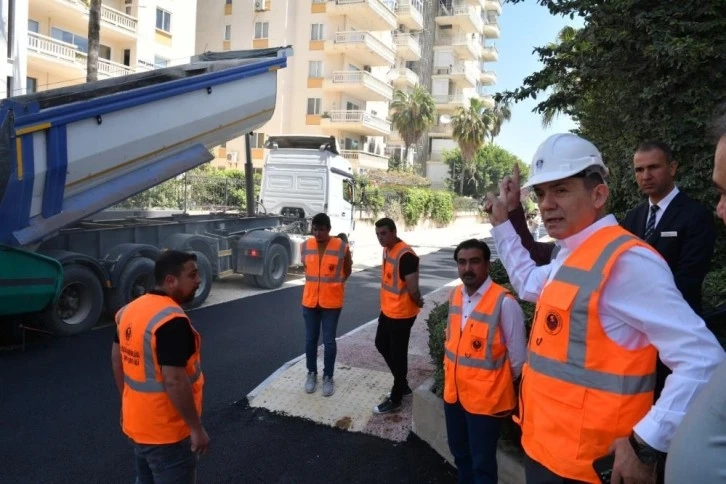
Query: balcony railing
[
  {"x": 109, "y": 15},
  {"x": 51, "y": 47},
  {"x": 359, "y": 116},
  {"x": 357, "y": 37},
  {"x": 450, "y": 99},
  {"x": 105, "y": 67},
  {"x": 403, "y": 40},
  {"x": 455, "y": 69},
  {"x": 384, "y": 8},
  {"x": 363, "y": 78},
  {"x": 403, "y": 72},
  {"x": 462, "y": 10}
]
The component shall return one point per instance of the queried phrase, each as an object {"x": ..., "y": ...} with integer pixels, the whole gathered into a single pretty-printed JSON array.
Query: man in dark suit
[{"x": 678, "y": 227}]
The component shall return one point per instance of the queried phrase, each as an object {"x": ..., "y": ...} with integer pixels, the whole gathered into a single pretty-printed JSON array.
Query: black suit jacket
[{"x": 689, "y": 252}]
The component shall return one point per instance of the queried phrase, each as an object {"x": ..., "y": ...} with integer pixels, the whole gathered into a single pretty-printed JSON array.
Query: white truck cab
[{"x": 304, "y": 175}]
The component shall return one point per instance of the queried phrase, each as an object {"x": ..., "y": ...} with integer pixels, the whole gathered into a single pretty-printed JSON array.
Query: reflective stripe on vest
[
  {"x": 394, "y": 262},
  {"x": 150, "y": 384},
  {"x": 573, "y": 370},
  {"x": 490, "y": 320},
  {"x": 339, "y": 254}
]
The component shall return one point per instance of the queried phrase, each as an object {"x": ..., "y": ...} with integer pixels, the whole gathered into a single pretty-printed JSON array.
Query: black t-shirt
[
  {"x": 407, "y": 265},
  {"x": 174, "y": 341}
]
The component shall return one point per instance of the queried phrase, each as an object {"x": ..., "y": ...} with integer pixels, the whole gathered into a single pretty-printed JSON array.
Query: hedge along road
[{"x": 59, "y": 407}]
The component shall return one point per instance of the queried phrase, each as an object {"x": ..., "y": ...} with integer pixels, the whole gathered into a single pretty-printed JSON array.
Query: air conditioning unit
[
  {"x": 232, "y": 156},
  {"x": 262, "y": 5}
]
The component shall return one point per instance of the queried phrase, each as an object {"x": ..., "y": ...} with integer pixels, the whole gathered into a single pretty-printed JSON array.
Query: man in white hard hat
[
  {"x": 606, "y": 306},
  {"x": 699, "y": 446}
]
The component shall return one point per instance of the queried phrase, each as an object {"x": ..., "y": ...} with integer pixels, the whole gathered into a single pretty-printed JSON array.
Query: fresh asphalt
[{"x": 59, "y": 409}]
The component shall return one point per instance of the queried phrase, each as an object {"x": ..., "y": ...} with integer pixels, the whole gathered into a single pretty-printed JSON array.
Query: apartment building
[
  {"x": 463, "y": 53},
  {"x": 349, "y": 56},
  {"x": 48, "y": 40}
]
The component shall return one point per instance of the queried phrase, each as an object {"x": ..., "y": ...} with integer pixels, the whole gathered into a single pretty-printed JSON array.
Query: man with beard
[
  {"x": 484, "y": 352},
  {"x": 156, "y": 365}
]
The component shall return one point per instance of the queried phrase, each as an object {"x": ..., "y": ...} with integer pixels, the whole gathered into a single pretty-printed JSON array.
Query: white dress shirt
[
  {"x": 639, "y": 305},
  {"x": 511, "y": 322},
  {"x": 662, "y": 205}
]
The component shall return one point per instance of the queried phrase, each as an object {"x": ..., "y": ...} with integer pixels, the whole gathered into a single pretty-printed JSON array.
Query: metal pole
[{"x": 249, "y": 176}]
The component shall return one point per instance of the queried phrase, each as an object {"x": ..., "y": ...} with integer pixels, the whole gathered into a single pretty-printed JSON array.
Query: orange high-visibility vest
[
  {"x": 476, "y": 366},
  {"x": 324, "y": 278},
  {"x": 149, "y": 417},
  {"x": 580, "y": 390},
  {"x": 395, "y": 301}
]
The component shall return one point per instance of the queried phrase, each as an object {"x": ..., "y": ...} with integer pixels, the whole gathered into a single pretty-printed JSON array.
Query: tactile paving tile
[{"x": 357, "y": 391}]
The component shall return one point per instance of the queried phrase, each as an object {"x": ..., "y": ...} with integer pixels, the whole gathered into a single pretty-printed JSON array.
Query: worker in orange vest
[
  {"x": 328, "y": 264},
  {"x": 484, "y": 353},
  {"x": 157, "y": 368},
  {"x": 401, "y": 302},
  {"x": 607, "y": 305}
]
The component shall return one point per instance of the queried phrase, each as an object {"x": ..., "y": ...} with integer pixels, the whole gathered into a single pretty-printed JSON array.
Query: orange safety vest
[
  {"x": 476, "y": 367},
  {"x": 580, "y": 390},
  {"x": 149, "y": 417},
  {"x": 395, "y": 301},
  {"x": 324, "y": 279}
]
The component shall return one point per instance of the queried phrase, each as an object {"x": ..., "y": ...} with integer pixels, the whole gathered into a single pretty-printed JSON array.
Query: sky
[{"x": 524, "y": 26}]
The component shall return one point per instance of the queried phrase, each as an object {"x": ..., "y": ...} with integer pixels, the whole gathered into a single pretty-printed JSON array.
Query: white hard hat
[{"x": 562, "y": 155}]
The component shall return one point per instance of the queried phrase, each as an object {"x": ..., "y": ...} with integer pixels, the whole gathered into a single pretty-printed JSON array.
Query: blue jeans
[
  {"x": 473, "y": 443},
  {"x": 314, "y": 319},
  {"x": 165, "y": 463}
]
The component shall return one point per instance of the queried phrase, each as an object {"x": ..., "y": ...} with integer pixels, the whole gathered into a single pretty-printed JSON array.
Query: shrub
[
  {"x": 442, "y": 207},
  {"x": 416, "y": 204},
  {"x": 436, "y": 324}
]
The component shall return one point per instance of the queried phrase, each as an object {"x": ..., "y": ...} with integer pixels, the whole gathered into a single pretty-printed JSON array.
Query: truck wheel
[
  {"x": 136, "y": 279},
  {"x": 207, "y": 276},
  {"x": 79, "y": 305},
  {"x": 275, "y": 270}
]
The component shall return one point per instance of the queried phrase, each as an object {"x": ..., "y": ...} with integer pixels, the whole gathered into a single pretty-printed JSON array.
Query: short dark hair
[
  {"x": 386, "y": 222},
  {"x": 591, "y": 178},
  {"x": 171, "y": 263},
  {"x": 661, "y": 146},
  {"x": 473, "y": 244},
  {"x": 321, "y": 220},
  {"x": 718, "y": 124}
]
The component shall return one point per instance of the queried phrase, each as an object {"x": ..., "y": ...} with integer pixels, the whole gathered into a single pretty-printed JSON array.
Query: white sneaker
[{"x": 311, "y": 383}]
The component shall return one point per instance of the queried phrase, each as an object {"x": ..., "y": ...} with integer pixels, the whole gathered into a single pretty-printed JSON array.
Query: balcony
[
  {"x": 488, "y": 78},
  {"x": 362, "y": 159},
  {"x": 465, "y": 17},
  {"x": 407, "y": 46},
  {"x": 475, "y": 3},
  {"x": 363, "y": 47},
  {"x": 493, "y": 6},
  {"x": 360, "y": 84},
  {"x": 464, "y": 46},
  {"x": 491, "y": 29},
  {"x": 106, "y": 68},
  {"x": 409, "y": 14},
  {"x": 449, "y": 102},
  {"x": 486, "y": 98},
  {"x": 490, "y": 54},
  {"x": 115, "y": 24},
  {"x": 374, "y": 14},
  {"x": 460, "y": 74},
  {"x": 403, "y": 78},
  {"x": 358, "y": 122},
  {"x": 441, "y": 131}
]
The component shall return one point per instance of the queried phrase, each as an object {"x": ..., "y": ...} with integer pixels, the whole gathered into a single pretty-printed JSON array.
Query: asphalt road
[{"x": 59, "y": 408}]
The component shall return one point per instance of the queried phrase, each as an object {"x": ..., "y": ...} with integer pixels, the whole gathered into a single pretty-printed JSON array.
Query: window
[
  {"x": 163, "y": 20},
  {"x": 81, "y": 42},
  {"x": 160, "y": 62},
  {"x": 348, "y": 191},
  {"x": 314, "y": 105},
  {"x": 258, "y": 140},
  {"x": 31, "y": 85},
  {"x": 227, "y": 32},
  {"x": 33, "y": 26},
  {"x": 317, "y": 32},
  {"x": 262, "y": 30},
  {"x": 315, "y": 69}
]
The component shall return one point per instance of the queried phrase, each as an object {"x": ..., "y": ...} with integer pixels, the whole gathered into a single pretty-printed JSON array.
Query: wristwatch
[{"x": 645, "y": 453}]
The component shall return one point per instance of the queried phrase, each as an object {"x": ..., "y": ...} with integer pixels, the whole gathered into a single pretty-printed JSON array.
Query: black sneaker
[{"x": 386, "y": 406}]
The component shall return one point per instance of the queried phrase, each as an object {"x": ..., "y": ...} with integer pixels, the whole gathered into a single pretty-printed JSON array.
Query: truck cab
[{"x": 304, "y": 175}]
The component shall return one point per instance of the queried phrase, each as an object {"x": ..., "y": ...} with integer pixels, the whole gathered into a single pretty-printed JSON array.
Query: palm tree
[
  {"x": 471, "y": 125},
  {"x": 94, "y": 40},
  {"x": 413, "y": 114},
  {"x": 500, "y": 114}
]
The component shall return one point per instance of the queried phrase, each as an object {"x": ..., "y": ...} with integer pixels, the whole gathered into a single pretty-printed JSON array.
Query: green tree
[
  {"x": 471, "y": 125},
  {"x": 502, "y": 113},
  {"x": 638, "y": 70},
  {"x": 491, "y": 164},
  {"x": 413, "y": 113}
]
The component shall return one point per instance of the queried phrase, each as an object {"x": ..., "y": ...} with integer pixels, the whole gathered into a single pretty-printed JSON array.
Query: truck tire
[
  {"x": 207, "y": 277},
  {"x": 136, "y": 279},
  {"x": 275, "y": 270},
  {"x": 80, "y": 304}
]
